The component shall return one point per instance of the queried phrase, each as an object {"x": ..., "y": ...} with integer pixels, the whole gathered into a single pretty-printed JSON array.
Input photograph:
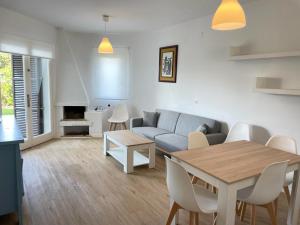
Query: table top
[
  {"x": 9, "y": 131},
  {"x": 127, "y": 138},
  {"x": 235, "y": 161}
]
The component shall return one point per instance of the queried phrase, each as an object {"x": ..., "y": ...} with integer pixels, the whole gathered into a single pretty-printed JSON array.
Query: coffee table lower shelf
[{"x": 138, "y": 158}]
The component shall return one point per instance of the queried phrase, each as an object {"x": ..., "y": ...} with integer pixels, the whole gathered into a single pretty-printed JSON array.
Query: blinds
[
  {"x": 36, "y": 96},
  {"x": 23, "y": 46},
  {"x": 111, "y": 79},
  {"x": 19, "y": 96}
]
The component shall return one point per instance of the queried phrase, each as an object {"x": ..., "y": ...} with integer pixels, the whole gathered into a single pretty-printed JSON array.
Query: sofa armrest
[
  {"x": 216, "y": 138},
  {"x": 136, "y": 122}
]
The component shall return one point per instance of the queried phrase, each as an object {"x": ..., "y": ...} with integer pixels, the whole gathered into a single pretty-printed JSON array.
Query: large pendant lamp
[
  {"x": 105, "y": 46},
  {"x": 229, "y": 16}
]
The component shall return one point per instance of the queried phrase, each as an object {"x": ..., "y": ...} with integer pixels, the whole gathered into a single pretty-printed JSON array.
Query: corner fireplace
[{"x": 73, "y": 122}]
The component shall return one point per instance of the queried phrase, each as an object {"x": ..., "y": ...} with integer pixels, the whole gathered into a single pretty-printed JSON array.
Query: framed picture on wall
[{"x": 168, "y": 64}]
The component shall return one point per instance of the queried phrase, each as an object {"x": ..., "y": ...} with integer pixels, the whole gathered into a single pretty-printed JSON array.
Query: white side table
[{"x": 98, "y": 121}]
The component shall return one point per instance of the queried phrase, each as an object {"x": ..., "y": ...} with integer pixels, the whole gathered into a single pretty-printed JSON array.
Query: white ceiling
[{"x": 127, "y": 15}]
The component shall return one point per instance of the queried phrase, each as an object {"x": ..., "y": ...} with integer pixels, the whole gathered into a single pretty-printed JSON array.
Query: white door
[{"x": 32, "y": 98}]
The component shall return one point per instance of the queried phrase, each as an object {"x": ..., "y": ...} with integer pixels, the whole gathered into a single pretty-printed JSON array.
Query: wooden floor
[{"x": 70, "y": 182}]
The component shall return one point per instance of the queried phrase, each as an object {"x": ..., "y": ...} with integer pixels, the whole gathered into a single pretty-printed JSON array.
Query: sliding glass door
[{"x": 31, "y": 91}]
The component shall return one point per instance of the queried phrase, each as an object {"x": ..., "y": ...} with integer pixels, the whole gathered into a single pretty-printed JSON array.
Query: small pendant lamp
[
  {"x": 229, "y": 16},
  {"x": 105, "y": 46}
]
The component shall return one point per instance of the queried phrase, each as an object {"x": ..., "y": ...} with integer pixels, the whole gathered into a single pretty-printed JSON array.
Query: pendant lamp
[
  {"x": 105, "y": 46},
  {"x": 229, "y": 16}
]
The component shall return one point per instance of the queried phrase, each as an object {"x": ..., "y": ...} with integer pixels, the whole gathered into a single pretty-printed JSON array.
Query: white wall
[
  {"x": 210, "y": 85},
  {"x": 80, "y": 77},
  {"x": 69, "y": 84},
  {"x": 17, "y": 24}
]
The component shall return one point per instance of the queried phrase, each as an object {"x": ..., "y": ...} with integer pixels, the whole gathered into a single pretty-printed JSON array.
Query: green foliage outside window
[{"x": 6, "y": 84}]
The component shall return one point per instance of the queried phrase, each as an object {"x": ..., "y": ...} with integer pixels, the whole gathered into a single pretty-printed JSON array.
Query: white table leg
[
  {"x": 152, "y": 156},
  {"x": 128, "y": 160},
  {"x": 294, "y": 207},
  {"x": 226, "y": 204},
  {"x": 106, "y": 144}
]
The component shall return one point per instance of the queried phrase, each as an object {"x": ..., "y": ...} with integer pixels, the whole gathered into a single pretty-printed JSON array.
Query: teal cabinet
[{"x": 11, "y": 164}]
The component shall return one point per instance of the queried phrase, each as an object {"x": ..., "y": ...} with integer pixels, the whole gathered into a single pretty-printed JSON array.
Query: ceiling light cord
[
  {"x": 105, "y": 47},
  {"x": 106, "y": 20}
]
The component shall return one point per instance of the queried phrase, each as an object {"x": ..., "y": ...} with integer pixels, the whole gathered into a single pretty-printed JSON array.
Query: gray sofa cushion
[
  {"x": 216, "y": 138},
  {"x": 150, "y": 119},
  {"x": 167, "y": 120},
  {"x": 172, "y": 142},
  {"x": 203, "y": 128},
  {"x": 135, "y": 122},
  {"x": 188, "y": 123},
  {"x": 149, "y": 132}
]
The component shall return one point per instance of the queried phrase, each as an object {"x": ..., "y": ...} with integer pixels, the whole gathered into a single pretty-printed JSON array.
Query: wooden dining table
[{"x": 233, "y": 166}]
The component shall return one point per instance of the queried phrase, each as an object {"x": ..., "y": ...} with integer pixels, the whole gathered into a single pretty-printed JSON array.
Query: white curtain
[{"x": 20, "y": 45}]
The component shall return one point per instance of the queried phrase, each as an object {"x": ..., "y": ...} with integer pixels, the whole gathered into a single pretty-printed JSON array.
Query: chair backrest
[
  {"x": 180, "y": 186},
  {"x": 283, "y": 143},
  {"x": 120, "y": 112},
  {"x": 269, "y": 185},
  {"x": 197, "y": 140},
  {"x": 239, "y": 132}
]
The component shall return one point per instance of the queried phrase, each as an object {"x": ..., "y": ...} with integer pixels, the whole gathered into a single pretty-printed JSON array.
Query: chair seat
[
  {"x": 244, "y": 194},
  {"x": 115, "y": 120},
  {"x": 289, "y": 179},
  {"x": 206, "y": 200}
]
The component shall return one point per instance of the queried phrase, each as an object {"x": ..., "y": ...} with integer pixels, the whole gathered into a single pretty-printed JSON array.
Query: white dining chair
[
  {"x": 286, "y": 144},
  {"x": 120, "y": 116},
  {"x": 197, "y": 140},
  {"x": 186, "y": 195},
  {"x": 265, "y": 191},
  {"x": 239, "y": 132}
]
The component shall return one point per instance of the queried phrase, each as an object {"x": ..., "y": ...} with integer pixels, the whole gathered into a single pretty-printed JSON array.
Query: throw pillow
[
  {"x": 150, "y": 119},
  {"x": 203, "y": 128}
]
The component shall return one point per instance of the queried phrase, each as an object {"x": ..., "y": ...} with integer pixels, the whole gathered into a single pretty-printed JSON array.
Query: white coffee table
[{"x": 128, "y": 144}]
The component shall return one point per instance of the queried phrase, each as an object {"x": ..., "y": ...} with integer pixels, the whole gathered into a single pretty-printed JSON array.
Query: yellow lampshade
[
  {"x": 229, "y": 16},
  {"x": 105, "y": 47}
]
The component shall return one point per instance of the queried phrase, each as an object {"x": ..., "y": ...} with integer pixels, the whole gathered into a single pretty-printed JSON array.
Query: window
[{"x": 111, "y": 80}]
